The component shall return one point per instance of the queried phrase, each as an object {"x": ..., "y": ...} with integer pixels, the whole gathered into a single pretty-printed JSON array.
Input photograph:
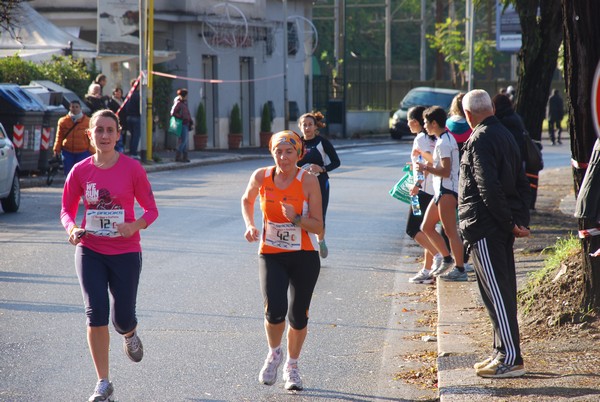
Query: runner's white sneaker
[
  {"x": 423, "y": 276},
  {"x": 103, "y": 392},
  {"x": 291, "y": 376},
  {"x": 268, "y": 373}
]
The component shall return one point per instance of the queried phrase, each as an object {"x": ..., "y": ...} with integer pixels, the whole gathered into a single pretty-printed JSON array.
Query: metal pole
[
  {"x": 344, "y": 79},
  {"x": 388, "y": 41},
  {"x": 423, "y": 75},
  {"x": 336, "y": 41},
  {"x": 469, "y": 37},
  {"x": 143, "y": 80},
  {"x": 286, "y": 109},
  {"x": 388, "y": 53},
  {"x": 150, "y": 77}
]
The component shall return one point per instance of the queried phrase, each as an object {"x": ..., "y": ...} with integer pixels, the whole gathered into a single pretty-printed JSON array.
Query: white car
[{"x": 10, "y": 189}]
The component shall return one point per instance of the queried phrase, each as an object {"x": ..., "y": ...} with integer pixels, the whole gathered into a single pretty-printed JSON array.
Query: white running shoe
[
  {"x": 423, "y": 276},
  {"x": 268, "y": 373},
  {"x": 437, "y": 261},
  {"x": 291, "y": 376},
  {"x": 104, "y": 391}
]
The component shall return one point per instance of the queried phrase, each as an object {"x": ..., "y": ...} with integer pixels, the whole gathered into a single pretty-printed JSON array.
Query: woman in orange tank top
[{"x": 290, "y": 201}]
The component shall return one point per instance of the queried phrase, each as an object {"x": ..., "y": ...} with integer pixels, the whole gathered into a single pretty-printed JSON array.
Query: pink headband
[{"x": 287, "y": 137}]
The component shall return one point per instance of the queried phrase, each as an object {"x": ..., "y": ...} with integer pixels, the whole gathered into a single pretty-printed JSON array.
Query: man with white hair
[{"x": 493, "y": 209}]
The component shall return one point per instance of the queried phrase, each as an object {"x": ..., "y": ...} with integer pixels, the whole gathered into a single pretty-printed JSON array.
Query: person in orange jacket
[{"x": 72, "y": 141}]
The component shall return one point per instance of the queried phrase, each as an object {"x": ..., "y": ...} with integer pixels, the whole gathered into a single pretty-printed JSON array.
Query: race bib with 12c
[{"x": 104, "y": 222}]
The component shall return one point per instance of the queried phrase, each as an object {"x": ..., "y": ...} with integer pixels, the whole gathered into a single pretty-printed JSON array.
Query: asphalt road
[{"x": 199, "y": 304}]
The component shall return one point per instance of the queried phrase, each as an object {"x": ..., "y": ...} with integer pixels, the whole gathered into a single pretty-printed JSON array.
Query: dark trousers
[
  {"x": 494, "y": 262},
  {"x": 552, "y": 125}
]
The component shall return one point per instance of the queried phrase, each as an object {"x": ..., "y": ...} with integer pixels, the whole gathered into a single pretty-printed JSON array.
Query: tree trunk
[
  {"x": 582, "y": 53},
  {"x": 541, "y": 38}
]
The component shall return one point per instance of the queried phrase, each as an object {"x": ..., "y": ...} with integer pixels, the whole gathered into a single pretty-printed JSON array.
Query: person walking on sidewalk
[
  {"x": 556, "y": 112},
  {"x": 443, "y": 205},
  {"x": 108, "y": 255},
  {"x": 181, "y": 111},
  {"x": 134, "y": 119},
  {"x": 493, "y": 207},
  {"x": 72, "y": 142},
  {"x": 423, "y": 146},
  {"x": 319, "y": 159},
  {"x": 290, "y": 200}
]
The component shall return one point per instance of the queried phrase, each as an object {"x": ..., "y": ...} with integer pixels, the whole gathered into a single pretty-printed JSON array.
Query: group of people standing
[
  {"x": 483, "y": 179},
  {"x": 72, "y": 143}
]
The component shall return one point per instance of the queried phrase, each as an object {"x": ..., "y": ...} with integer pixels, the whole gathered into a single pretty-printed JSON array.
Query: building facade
[{"x": 224, "y": 53}]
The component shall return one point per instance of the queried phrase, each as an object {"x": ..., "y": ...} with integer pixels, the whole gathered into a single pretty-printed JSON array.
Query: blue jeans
[
  {"x": 134, "y": 126},
  {"x": 71, "y": 158},
  {"x": 183, "y": 139}
]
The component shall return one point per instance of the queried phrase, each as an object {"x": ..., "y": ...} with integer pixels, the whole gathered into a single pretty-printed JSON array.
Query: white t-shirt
[
  {"x": 446, "y": 147},
  {"x": 423, "y": 143}
]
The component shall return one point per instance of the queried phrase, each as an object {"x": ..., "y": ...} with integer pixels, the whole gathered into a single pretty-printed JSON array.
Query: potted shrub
[
  {"x": 235, "y": 127},
  {"x": 265, "y": 126},
  {"x": 200, "y": 133}
]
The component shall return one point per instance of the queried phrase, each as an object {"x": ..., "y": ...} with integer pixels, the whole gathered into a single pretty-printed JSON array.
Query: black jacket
[
  {"x": 493, "y": 192},
  {"x": 513, "y": 122}
]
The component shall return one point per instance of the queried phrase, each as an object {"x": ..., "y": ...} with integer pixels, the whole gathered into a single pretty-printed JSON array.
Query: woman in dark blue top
[{"x": 319, "y": 159}]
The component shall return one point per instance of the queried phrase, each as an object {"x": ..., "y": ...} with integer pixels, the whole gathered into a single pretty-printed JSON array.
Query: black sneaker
[{"x": 133, "y": 347}]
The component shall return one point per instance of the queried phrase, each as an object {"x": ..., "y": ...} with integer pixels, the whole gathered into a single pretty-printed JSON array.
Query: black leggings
[
  {"x": 413, "y": 223},
  {"x": 98, "y": 274},
  {"x": 298, "y": 270},
  {"x": 324, "y": 184}
]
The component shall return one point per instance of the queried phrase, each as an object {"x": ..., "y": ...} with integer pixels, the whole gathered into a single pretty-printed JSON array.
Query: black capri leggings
[
  {"x": 99, "y": 273},
  {"x": 298, "y": 270},
  {"x": 413, "y": 223}
]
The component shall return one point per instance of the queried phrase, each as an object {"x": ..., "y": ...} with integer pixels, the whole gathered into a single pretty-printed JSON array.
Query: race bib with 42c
[
  {"x": 104, "y": 222},
  {"x": 285, "y": 236}
]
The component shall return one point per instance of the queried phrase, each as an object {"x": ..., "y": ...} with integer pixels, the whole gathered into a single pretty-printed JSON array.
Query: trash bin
[
  {"x": 335, "y": 118},
  {"x": 53, "y": 110},
  {"x": 22, "y": 116},
  {"x": 51, "y": 116},
  {"x": 67, "y": 94}
]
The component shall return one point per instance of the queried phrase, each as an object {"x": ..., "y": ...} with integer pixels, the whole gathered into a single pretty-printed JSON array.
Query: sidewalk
[
  {"x": 557, "y": 369},
  {"x": 211, "y": 157}
]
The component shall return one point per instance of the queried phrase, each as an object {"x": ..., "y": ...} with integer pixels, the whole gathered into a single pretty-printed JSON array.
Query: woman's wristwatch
[{"x": 297, "y": 219}]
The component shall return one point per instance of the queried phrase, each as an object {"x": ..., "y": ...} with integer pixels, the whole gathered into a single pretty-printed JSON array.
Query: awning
[{"x": 37, "y": 39}]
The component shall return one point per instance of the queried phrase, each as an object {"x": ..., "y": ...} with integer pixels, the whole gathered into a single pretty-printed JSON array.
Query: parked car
[
  {"x": 420, "y": 96},
  {"x": 10, "y": 189}
]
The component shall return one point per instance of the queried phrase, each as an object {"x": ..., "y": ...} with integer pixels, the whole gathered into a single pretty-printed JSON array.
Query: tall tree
[
  {"x": 582, "y": 54},
  {"x": 541, "y": 22}
]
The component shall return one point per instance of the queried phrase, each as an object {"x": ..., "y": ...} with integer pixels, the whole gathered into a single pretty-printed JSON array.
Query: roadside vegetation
[{"x": 552, "y": 297}]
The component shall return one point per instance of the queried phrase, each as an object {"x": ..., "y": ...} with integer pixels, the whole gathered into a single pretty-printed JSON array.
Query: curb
[
  {"x": 459, "y": 305},
  {"x": 203, "y": 158}
]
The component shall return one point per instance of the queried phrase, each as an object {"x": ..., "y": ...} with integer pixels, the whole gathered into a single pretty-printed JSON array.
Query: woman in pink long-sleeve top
[{"x": 108, "y": 254}]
